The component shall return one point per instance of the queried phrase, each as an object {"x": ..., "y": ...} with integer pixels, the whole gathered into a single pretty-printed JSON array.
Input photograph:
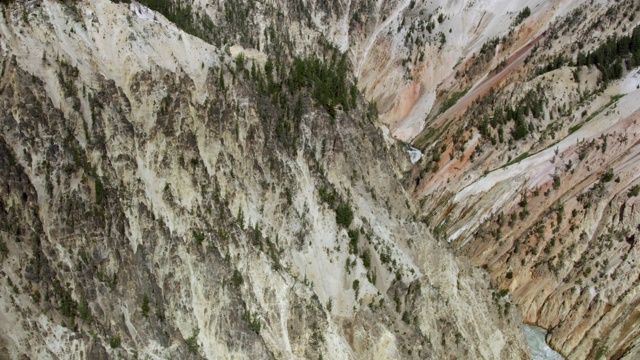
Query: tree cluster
[{"x": 610, "y": 57}]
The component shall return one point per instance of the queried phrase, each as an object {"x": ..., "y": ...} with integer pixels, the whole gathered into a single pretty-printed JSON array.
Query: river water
[
  {"x": 414, "y": 154},
  {"x": 539, "y": 348}
]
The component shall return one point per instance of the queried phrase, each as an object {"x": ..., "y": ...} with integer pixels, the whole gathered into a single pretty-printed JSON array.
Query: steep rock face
[
  {"x": 164, "y": 199},
  {"x": 411, "y": 61},
  {"x": 533, "y": 174}
]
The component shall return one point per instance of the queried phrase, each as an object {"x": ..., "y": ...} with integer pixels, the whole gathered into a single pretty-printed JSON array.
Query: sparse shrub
[
  {"x": 4, "y": 250},
  {"x": 608, "y": 176},
  {"x": 454, "y": 98},
  {"x": 84, "y": 311},
  {"x": 192, "y": 341},
  {"x": 521, "y": 16},
  {"x": 198, "y": 237},
  {"x": 236, "y": 278},
  {"x": 328, "y": 195},
  {"x": 100, "y": 192},
  {"x": 353, "y": 241},
  {"x": 240, "y": 61},
  {"x": 344, "y": 215},
  {"x": 36, "y": 296},
  {"x": 405, "y": 317},
  {"x": 366, "y": 259},
  {"x": 356, "y": 286},
  {"x": 253, "y": 322},
  {"x": 435, "y": 155},
  {"x": 556, "y": 182},
  {"x": 145, "y": 306},
  {"x": 115, "y": 341},
  {"x": 385, "y": 257}
]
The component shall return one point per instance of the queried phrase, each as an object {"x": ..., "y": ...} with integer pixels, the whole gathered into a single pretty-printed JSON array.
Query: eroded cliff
[{"x": 162, "y": 198}]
